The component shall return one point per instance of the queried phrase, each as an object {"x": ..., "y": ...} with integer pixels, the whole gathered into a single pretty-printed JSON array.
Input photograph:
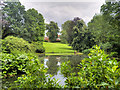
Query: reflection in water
[
  {"x": 54, "y": 62},
  {"x": 45, "y": 61},
  {"x": 52, "y": 65}
]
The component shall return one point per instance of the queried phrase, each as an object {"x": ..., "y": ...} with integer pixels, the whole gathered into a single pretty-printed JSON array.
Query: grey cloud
[{"x": 62, "y": 11}]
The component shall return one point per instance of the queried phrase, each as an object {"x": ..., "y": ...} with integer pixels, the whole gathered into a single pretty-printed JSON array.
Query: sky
[{"x": 62, "y": 10}]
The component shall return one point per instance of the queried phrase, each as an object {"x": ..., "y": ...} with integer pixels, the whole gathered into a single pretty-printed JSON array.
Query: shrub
[
  {"x": 34, "y": 73},
  {"x": 38, "y": 47},
  {"x": 13, "y": 44},
  {"x": 14, "y": 64},
  {"x": 97, "y": 71},
  {"x": 36, "y": 77}
]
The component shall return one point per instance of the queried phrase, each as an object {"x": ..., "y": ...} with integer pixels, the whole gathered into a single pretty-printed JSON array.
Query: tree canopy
[
  {"x": 34, "y": 24},
  {"x": 28, "y": 25},
  {"x": 13, "y": 16},
  {"x": 75, "y": 32},
  {"x": 53, "y": 31}
]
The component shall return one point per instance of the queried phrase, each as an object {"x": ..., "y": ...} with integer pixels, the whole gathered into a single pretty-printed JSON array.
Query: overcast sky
[{"x": 63, "y": 11}]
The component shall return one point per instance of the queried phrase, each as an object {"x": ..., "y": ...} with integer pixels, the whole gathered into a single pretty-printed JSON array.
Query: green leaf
[
  {"x": 104, "y": 84},
  {"x": 114, "y": 68}
]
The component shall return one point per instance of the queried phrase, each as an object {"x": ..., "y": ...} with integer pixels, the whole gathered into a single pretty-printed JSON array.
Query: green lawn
[{"x": 57, "y": 49}]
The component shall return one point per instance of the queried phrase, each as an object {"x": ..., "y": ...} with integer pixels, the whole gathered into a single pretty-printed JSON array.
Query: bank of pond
[{"x": 95, "y": 70}]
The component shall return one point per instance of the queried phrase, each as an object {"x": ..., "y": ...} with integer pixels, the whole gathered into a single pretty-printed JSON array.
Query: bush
[
  {"x": 97, "y": 71},
  {"x": 34, "y": 72},
  {"x": 38, "y": 47},
  {"x": 15, "y": 45},
  {"x": 14, "y": 64}
]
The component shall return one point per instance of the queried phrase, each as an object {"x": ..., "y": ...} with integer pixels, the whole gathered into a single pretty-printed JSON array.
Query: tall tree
[
  {"x": 34, "y": 24},
  {"x": 82, "y": 37},
  {"x": 13, "y": 13},
  {"x": 104, "y": 33},
  {"x": 28, "y": 25},
  {"x": 111, "y": 13},
  {"x": 67, "y": 31},
  {"x": 76, "y": 34},
  {"x": 53, "y": 31}
]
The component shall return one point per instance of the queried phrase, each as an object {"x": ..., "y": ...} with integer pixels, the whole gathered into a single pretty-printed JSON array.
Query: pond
[{"x": 53, "y": 64}]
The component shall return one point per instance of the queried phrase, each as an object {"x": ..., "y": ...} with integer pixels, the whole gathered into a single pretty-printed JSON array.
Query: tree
[
  {"x": 67, "y": 31},
  {"x": 34, "y": 24},
  {"x": 82, "y": 37},
  {"x": 28, "y": 25},
  {"x": 63, "y": 37},
  {"x": 53, "y": 30},
  {"x": 104, "y": 33},
  {"x": 111, "y": 13},
  {"x": 13, "y": 13},
  {"x": 76, "y": 34}
]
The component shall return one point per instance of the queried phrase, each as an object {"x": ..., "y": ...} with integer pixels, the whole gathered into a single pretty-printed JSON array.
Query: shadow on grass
[{"x": 66, "y": 48}]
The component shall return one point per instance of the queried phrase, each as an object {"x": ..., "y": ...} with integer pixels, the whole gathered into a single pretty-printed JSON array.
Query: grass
[{"x": 57, "y": 49}]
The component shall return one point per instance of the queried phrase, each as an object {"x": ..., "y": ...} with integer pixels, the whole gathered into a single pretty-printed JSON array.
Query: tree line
[
  {"x": 102, "y": 30},
  {"x": 28, "y": 25}
]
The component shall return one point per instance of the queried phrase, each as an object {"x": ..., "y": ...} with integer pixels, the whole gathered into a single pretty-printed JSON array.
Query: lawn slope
[{"x": 57, "y": 49}]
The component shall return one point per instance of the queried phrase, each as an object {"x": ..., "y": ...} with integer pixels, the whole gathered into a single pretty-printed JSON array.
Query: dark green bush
[
  {"x": 38, "y": 47},
  {"x": 15, "y": 45}
]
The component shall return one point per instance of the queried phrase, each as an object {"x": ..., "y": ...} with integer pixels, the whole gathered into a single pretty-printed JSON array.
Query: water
[{"x": 53, "y": 64}]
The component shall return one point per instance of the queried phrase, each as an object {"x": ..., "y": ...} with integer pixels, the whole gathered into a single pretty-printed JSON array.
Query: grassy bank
[{"x": 58, "y": 49}]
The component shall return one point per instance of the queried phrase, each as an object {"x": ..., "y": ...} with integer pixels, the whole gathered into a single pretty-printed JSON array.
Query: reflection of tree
[
  {"x": 41, "y": 59},
  {"x": 74, "y": 60},
  {"x": 52, "y": 65}
]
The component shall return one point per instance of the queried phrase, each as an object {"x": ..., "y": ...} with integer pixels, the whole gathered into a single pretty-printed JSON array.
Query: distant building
[{"x": 47, "y": 39}]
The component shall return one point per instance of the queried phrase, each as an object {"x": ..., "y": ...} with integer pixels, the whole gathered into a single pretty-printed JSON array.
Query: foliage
[
  {"x": 36, "y": 77},
  {"x": 82, "y": 37},
  {"x": 34, "y": 23},
  {"x": 28, "y": 25},
  {"x": 67, "y": 31},
  {"x": 97, "y": 71},
  {"x": 13, "y": 17},
  {"x": 111, "y": 12},
  {"x": 76, "y": 34},
  {"x": 66, "y": 68},
  {"x": 104, "y": 34},
  {"x": 14, "y": 64},
  {"x": 86, "y": 51},
  {"x": 34, "y": 73},
  {"x": 53, "y": 30},
  {"x": 15, "y": 45},
  {"x": 63, "y": 37},
  {"x": 38, "y": 47}
]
